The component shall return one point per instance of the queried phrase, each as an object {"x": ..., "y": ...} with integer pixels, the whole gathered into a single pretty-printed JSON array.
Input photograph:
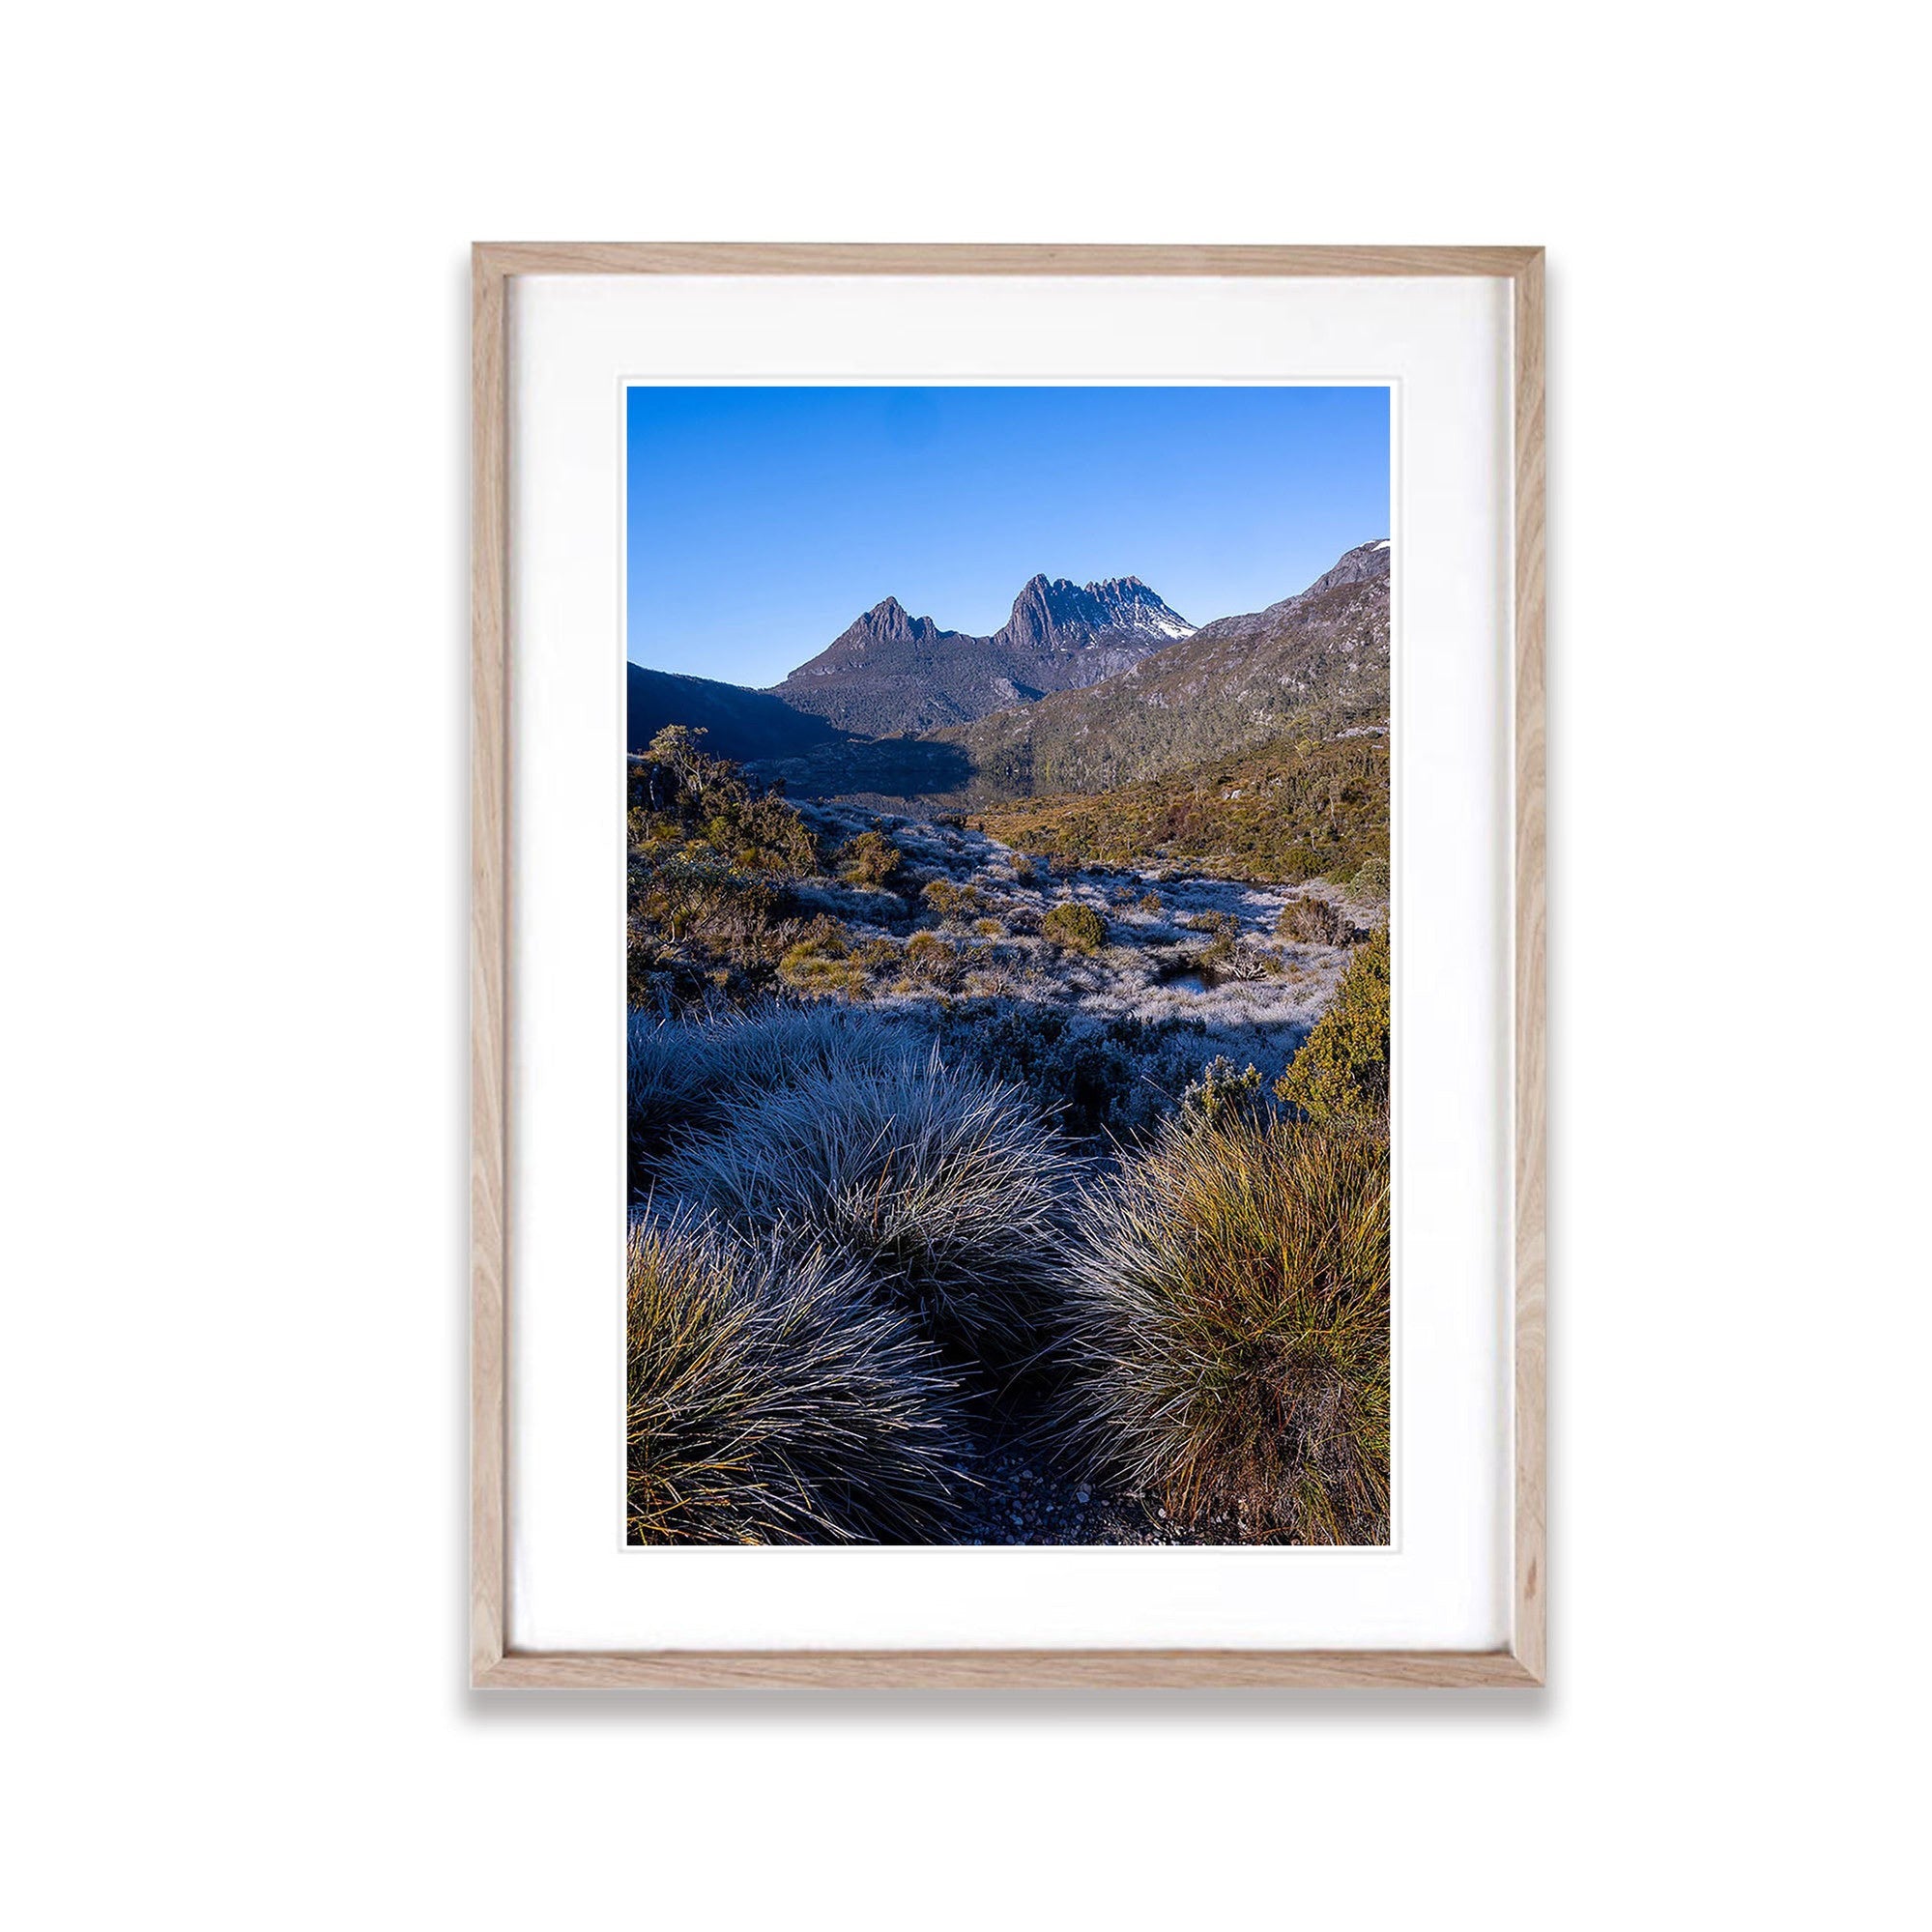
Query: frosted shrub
[
  {"x": 1221, "y": 1089},
  {"x": 1372, "y": 881}
]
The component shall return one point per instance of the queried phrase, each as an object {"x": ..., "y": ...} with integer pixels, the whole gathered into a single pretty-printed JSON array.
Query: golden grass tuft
[{"x": 1230, "y": 1318}]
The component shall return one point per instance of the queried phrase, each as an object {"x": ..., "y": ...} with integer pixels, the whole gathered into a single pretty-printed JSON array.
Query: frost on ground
[
  {"x": 891, "y": 1045},
  {"x": 1180, "y": 951}
]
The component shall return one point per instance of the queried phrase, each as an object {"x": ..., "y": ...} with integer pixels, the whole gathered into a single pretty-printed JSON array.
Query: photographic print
[{"x": 1008, "y": 957}]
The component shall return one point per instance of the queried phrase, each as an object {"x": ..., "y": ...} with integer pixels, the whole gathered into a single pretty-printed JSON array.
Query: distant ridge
[{"x": 742, "y": 725}]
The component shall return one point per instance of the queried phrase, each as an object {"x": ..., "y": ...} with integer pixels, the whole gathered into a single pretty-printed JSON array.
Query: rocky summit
[
  {"x": 1052, "y": 615},
  {"x": 889, "y": 673}
]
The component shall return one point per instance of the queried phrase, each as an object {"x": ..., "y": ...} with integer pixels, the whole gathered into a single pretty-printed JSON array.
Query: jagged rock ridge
[{"x": 889, "y": 673}]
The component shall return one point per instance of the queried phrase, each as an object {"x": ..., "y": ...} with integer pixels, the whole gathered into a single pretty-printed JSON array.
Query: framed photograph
[{"x": 1008, "y": 1016}]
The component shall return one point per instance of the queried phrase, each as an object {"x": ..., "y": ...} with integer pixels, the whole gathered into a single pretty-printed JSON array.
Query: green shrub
[
  {"x": 1230, "y": 1328},
  {"x": 1370, "y": 880},
  {"x": 1077, "y": 928},
  {"x": 679, "y": 794},
  {"x": 1341, "y": 1072},
  {"x": 765, "y": 835},
  {"x": 695, "y": 926},
  {"x": 823, "y": 964},
  {"x": 675, "y": 747},
  {"x": 773, "y": 1398},
  {"x": 871, "y": 860},
  {"x": 712, "y": 866},
  {"x": 949, "y": 901},
  {"x": 687, "y": 897}
]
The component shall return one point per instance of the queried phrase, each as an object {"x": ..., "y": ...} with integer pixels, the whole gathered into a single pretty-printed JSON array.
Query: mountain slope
[
  {"x": 1366, "y": 562},
  {"x": 741, "y": 724},
  {"x": 889, "y": 673},
  {"x": 1285, "y": 810},
  {"x": 1311, "y": 665}
]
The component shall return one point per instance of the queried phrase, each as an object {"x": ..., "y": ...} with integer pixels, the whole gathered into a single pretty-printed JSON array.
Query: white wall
[{"x": 234, "y": 334}]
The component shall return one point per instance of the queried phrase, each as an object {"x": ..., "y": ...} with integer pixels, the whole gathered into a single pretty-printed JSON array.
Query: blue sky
[{"x": 762, "y": 521}]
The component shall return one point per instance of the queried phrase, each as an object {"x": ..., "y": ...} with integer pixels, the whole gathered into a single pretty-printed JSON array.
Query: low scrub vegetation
[
  {"x": 1370, "y": 882},
  {"x": 949, "y": 901},
  {"x": 1222, "y": 1089},
  {"x": 924, "y": 1139},
  {"x": 822, "y": 961},
  {"x": 773, "y": 1398},
  {"x": 1080, "y": 929},
  {"x": 1341, "y": 1072},
  {"x": 1295, "y": 810},
  {"x": 1230, "y": 1316},
  {"x": 1111, "y": 1078},
  {"x": 1315, "y": 922},
  {"x": 872, "y": 859},
  {"x": 711, "y": 863}
]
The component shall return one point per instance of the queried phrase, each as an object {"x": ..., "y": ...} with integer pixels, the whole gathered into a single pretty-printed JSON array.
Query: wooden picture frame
[{"x": 1521, "y": 1663}]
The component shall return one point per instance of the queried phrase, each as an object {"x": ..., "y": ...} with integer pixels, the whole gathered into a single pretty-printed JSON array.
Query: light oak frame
[{"x": 491, "y": 1663}]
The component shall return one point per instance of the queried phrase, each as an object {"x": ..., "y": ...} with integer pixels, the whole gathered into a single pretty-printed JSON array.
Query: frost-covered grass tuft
[
  {"x": 1230, "y": 1327},
  {"x": 949, "y": 1185},
  {"x": 688, "y": 1079},
  {"x": 775, "y": 1397}
]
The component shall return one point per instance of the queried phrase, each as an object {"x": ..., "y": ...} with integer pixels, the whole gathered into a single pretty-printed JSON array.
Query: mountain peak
[
  {"x": 888, "y": 671},
  {"x": 1354, "y": 566},
  {"x": 1054, "y": 614},
  {"x": 888, "y": 621}
]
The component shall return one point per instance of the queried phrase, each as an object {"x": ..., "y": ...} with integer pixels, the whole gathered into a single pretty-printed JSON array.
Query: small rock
[{"x": 1082, "y": 1496}]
